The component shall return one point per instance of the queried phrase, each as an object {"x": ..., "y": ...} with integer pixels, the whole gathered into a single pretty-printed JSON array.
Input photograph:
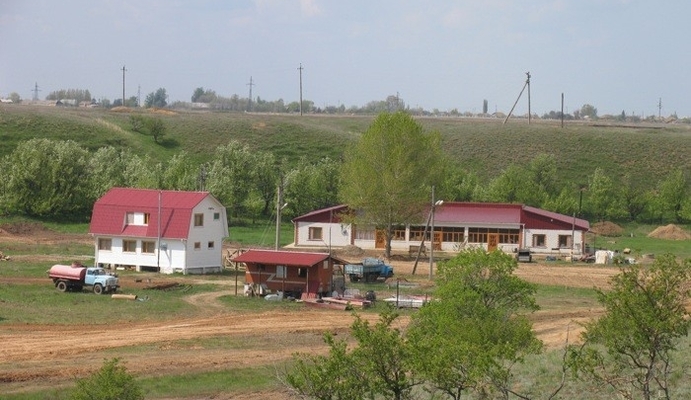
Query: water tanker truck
[
  {"x": 76, "y": 276},
  {"x": 369, "y": 270}
]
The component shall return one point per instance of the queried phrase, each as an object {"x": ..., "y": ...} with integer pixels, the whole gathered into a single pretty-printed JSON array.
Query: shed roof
[
  {"x": 278, "y": 257},
  {"x": 110, "y": 212}
]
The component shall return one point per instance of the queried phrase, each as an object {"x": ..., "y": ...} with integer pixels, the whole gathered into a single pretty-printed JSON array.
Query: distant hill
[{"x": 645, "y": 152}]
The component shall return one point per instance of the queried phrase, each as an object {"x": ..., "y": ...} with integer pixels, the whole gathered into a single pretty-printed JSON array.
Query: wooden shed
[{"x": 293, "y": 273}]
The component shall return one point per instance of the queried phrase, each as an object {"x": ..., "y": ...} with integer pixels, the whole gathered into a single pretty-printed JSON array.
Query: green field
[{"x": 486, "y": 146}]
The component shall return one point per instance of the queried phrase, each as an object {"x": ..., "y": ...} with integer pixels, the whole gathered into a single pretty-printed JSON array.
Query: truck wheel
[
  {"x": 98, "y": 289},
  {"x": 61, "y": 286}
]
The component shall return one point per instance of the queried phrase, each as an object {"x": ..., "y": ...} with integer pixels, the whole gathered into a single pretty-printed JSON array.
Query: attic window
[
  {"x": 146, "y": 218},
  {"x": 217, "y": 216},
  {"x": 315, "y": 233},
  {"x": 198, "y": 219}
]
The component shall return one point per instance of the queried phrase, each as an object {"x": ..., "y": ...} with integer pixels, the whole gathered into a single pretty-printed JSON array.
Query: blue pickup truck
[{"x": 369, "y": 270}]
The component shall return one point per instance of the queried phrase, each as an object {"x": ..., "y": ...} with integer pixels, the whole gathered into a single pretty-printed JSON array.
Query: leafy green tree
[
  {"x": 633, "y": 197},
  {"x": 311, "y": 186},
  {"x": 143, "y": 173},
  {"x": 48, "y": 178},
  {"x": 458, "y": 185},
  {"x": 467, "y": 340},
  {"x": 388, "y": 173},
  {"x": 385, "y": 356},
  {"x": 513, "y": 185},
  {"x": 604, "y": 200},
  {"x": 588, "y": 111},
  {"x": 111, "y": 382},
  {"x": 156, "y": 127},
  {"x": 335, "y": 376},
  {"x": 674, "y": 191},
  {"x": 107, "y": 168},
  {"x": 15, "y": 97},
  {"x": 159, "y": 98},
  {"x": 203, "y": 96},
  {"x": 230, "y": 175},
  {"x": 179, "y": 173},
  {"x": 265, "y": 178},
  {"x": 629, "y": 348}
]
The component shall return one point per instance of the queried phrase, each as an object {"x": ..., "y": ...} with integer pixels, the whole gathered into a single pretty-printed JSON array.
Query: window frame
[
  {"x": 127, "y": 244},
  {"x": 199, "y": 220},
  {"x": 312, "y": 233}
]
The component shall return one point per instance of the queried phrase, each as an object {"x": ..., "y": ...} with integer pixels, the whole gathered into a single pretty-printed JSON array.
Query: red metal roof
[
  {"x": 277, "y": 257},
  {"x": 478, "y": 213},
  {"x": 329, "y": 214},
  {"x": 110, "y": 212}
]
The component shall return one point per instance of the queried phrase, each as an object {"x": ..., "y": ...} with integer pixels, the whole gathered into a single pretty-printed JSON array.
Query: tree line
[{"x": 52, "y": 178}]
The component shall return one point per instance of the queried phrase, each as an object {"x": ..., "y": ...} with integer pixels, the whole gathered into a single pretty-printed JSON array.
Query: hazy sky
[{"x": 614, "y": 54}]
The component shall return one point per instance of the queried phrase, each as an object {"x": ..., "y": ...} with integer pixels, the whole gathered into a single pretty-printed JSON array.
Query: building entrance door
[{"x": 492, "y": 241}]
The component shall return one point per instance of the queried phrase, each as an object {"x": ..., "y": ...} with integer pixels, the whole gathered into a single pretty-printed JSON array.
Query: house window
[
  {"x": 217, "y": 216},
  {"x": 564, "y": 241},
  {"x": 148, "y": 247},
  {"x": 210, "y": 245},
  {"x": 281, "y": 271},
  {"x": 302, "y": 272},
  {"x": 417, "y": 232},
  {"x": 453, "y": 235},
  {"x": 146, "y": 218},
  {"x": 315, "y": 233},
  {"x": 105, "y": 244},
  {"x": 365, "y": 234},
  {"x": 198, "y": 219},
  {"x": 398, "y": 233},
  {"x": 477, "y": 235},
  {"x": 130, "y": 218},
  {"x": 197, "y": 245},
  {"x": 539, "y": 241},
  {"x": 129, "y": 246}
]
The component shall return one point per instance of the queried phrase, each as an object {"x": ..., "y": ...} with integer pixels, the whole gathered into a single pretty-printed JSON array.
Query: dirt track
[{"x": 52, "y": 355}]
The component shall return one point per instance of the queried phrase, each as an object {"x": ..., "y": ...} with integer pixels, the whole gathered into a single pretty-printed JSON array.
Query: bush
[{"x": 111, "y": 382}]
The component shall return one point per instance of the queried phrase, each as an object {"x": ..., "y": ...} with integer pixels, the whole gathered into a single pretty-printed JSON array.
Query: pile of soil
[
  {"x": 22, "y": 228},
  {"x": 606, "y": 228},
  {"x": 351, "y": 251},
  {"x": 670, "y": 232}
]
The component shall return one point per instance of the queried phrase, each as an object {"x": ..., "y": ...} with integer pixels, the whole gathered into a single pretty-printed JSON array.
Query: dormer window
[{"x": 137, "y": 218}]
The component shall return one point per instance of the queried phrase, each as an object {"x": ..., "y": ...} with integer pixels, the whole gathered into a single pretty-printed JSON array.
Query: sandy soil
[{"x": 53, "y": 355}]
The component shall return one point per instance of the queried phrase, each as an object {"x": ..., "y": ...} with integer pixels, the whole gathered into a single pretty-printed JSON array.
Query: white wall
[{"x": 336, "y": 235}]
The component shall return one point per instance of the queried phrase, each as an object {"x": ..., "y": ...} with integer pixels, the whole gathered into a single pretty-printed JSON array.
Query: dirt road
[{"x": 50, "y": 356}]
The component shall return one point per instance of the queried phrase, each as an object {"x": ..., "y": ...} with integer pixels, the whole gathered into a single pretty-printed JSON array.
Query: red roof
[
  {"x": 478, "y": 213},
  {"x": 277, "y": 257},
  {"x": 110, "y": 212},
  {"x": 329, "y": 214}
]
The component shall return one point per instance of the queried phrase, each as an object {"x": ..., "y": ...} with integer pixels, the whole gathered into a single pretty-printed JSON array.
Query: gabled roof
[
  {"x": 277, "y": 257},
  {"x": 110, "y": 212},
  {"x": 324, "y": 214}
]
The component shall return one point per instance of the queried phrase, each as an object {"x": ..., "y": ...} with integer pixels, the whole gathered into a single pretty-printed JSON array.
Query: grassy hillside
[{"x": 645, "y": 152}]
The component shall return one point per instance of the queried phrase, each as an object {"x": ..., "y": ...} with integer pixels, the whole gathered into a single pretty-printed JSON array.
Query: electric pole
[
  {"x": 249, "y": 104},
  {"x": 527, "y": 84},
  {"x": 139, "y": 95},
  {"x": 300, "y": 69},
  {"x": 659, "y": 108},
  {"x": 123, "y": 85},
  {"x": 36, "y": 90}
]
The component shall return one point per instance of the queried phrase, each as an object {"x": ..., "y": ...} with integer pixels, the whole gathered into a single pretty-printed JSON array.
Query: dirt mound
[
  {"x": 121, "y": 109},
  {"x": 606, "y": 228},
  {"x": 670, "y": 232},
  {"x": 350, "y": 251},
  {"x": 22, "y": 228},
  {"x": 162, "y": 111}
]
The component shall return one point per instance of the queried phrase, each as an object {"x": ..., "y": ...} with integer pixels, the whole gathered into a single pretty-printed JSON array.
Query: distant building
[{"x": 457, "y": 225}]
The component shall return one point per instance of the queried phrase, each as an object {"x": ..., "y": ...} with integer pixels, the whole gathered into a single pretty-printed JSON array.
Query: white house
[
  {"x": 159, "y": 230},
  {"x": 457, "y": 225}
]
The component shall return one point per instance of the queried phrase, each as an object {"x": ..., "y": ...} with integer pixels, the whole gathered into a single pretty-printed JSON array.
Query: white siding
[{"x": 338, "y": 235}]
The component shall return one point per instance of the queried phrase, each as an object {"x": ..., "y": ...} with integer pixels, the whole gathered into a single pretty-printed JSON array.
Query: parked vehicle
[
  {"x": 369, "y": 270},
  {"x": 76, "y": 276},
  {"x": 524, "y": 255}
]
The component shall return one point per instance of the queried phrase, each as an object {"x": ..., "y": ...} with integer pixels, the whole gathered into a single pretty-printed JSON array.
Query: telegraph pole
[
  {"x": 123, "y": 85},
  {"x": 527, "y": 84},
  {"x": 300, "y": 69},
  {"x": 249, "y": 104},
  {"x": 659, "y": 108}
]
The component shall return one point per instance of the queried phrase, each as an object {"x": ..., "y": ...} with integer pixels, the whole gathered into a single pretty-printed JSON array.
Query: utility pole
[
  {"x": 249, "y": 104},
  {"x": 36, "y": 90},
  {"x": 659, "y": 108},
  {"x": 139, "y": 95},
  {"x": 279, "y": 208},
  {"x": 300, "y": 69},
  {"x": 527, "y": 84},
  {"x": 123, "y": 85},
  {"x": 562, "y": 109}
]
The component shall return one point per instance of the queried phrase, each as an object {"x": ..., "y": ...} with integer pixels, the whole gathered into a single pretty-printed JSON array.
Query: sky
[{"x": 617, "y": 55}]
